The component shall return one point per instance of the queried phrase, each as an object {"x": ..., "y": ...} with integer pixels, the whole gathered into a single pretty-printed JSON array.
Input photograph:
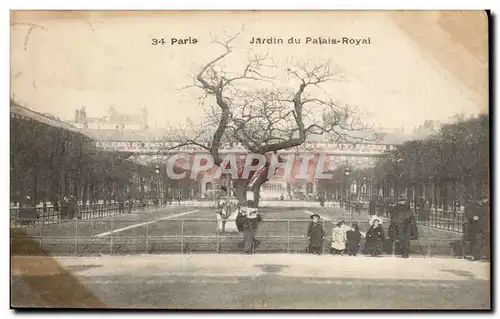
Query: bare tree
[{"x": 268, "y": 107}]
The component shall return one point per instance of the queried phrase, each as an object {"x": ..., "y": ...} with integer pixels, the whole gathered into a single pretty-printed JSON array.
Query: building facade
[{"x": 130, "y": 134}]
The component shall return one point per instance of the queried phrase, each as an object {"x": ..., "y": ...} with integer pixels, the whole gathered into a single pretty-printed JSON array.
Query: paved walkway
[
  {"x": 278, "y": 281},
  {"x": 232, "y": 265}
]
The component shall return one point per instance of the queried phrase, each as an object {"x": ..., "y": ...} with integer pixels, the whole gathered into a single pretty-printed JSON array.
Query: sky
[{"x": 414, "y": 69}]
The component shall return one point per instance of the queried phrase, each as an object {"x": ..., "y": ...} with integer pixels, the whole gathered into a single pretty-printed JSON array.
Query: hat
[
  {"x": 374, "y": 218},
  {"x": 249, "y": 212},
  {"x": 341, "y": 222},
  {"x": 312, "y": 216}
]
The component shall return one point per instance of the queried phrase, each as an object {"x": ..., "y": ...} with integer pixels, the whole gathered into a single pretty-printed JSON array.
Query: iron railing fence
[
  {"x": 452, "y": 221},
  {"x": 32, "y": 216},
  {"x": 79, "y": 237}
]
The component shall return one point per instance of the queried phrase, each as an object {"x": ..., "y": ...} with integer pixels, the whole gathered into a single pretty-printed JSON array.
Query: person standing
[
  {"x": 65, "y": 208},
  {"x": 121, "y": 205},
  {"x": 339, "y": 238},
  {"x": 375, "y": 237},
  {"x": 72, "y": 204},
  {"x": 405, "y": 223},
  {"x": 322, "y": 200},
  {"x": 316, "y": 235},
  {"x": 477, "y": 228},
  {"x": 130, "y": 204},
  {"x": 249, "y": 229},
  {"x": 484, "y": 227},
  {"x": 353, "y": 240}
]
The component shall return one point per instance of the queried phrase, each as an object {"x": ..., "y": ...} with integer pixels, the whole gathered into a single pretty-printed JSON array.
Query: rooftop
[
  {"x": 150, "y": 135},
  {"x": 153, "y": 134},
  {"x": 17, "y": 109}
]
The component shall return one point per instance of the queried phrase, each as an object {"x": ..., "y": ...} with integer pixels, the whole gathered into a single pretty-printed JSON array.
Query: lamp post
[
  {"x": 157, "y": 171},
  {"x": 365, "y": 186},
  {"x": 399, "y": 173},
  {"x": 347, "y": 172}
]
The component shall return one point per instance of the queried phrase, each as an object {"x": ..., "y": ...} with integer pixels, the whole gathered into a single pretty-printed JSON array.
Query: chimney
[
  {"x": 83, "y": 115},
  {"x": 144, "y": 117}
]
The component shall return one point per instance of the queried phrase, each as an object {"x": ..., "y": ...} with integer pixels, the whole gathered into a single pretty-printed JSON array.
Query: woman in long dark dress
[
  {"x": 375, "y": 238},
  {"x": 316, "y": 235}
]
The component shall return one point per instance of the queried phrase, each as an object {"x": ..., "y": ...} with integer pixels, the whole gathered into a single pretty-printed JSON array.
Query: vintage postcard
[{"x": 250, "y": 160}]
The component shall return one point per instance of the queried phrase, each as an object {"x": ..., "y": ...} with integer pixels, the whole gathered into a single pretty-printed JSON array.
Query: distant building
[
  {"x": 425, "y": 130},
  {"x": 113, "y": 121},
  {"x": 130, "y": 133}
]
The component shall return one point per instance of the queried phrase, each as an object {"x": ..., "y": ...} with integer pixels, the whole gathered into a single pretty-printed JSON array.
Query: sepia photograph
[{"x": 250, "y": 160}]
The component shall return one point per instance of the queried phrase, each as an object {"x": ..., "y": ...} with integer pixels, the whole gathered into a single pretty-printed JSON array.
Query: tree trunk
[
  {"x": 444, "y": 195},
  {"x": 85, "y": 193},
  {"x": 34, "y": 194},
  {"x": 256, "y": 192},
  {"x": 110, "y": 192},
  {"x": 256, "y": 196},
  {"x": 435, "y": 199},
  {"x": 456, "y": 194},
  {"x": 240, "y": 191}
]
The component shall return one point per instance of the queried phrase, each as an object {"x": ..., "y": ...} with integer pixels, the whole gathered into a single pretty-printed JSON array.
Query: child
[
  {"x": 375, "y": 238},
  {"x": 339, "y": 238},
  {"x": 316, "y": 235},
  {"x": 353, "y": 240}
]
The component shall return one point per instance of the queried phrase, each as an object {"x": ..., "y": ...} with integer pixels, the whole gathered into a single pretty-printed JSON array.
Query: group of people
[{"x": 346, "y": 239}]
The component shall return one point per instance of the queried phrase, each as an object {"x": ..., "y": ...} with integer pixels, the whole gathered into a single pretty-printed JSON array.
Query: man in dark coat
[
  {"x": 477, "y": 228},
  {"x": 65, "y": 208},
  {"x": 247, "y": 222},
  {"x": 72, "y": 207},
  {"x": 403, "y": 222},
  {"x": 249, "y": 229},
  {"x": 353, "y": 240},
  {"x": 322, "y": 200},
  {"x": 316, "y": 235},
  {"x": 121, "y": 205},
  {"x": 130, "y": 204}
]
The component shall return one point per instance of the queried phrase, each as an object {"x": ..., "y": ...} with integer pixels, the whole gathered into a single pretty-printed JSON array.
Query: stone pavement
[
  {"x": 233, "y": 265},
  {"x": 234, "y": 281}
]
